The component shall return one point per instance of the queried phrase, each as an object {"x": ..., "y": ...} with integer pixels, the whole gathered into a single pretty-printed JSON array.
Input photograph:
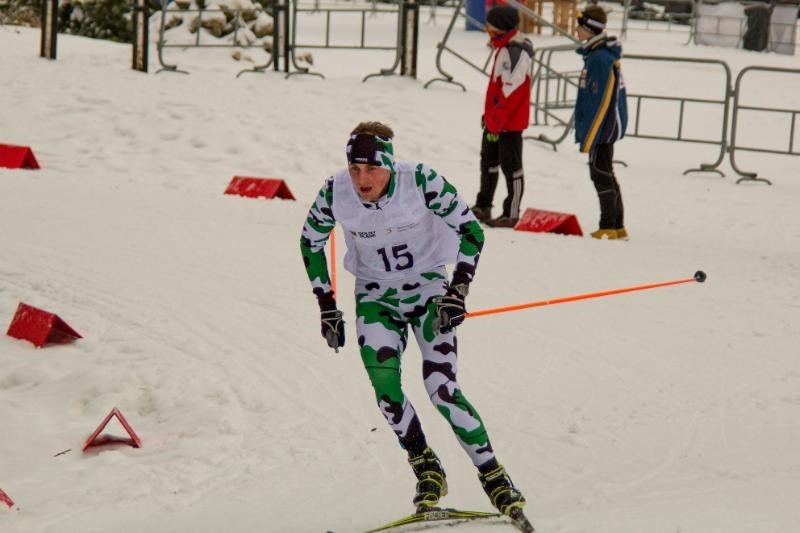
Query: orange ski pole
[
  {"x": 333, "y": 261},
  {"x": 698, "y": 277}
]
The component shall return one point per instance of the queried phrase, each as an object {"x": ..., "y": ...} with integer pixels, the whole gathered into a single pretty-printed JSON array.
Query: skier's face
[
  {"x": 370, "y": 181},
  {"x": 583, "y": 34}
]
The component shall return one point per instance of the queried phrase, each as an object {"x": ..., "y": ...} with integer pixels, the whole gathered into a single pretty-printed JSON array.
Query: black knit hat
[{"x": 504, "y": 18}]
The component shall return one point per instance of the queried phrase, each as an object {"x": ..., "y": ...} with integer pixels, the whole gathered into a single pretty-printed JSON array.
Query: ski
[
  {"x": 520, "y": 520},
  {"x": 436, "y": 515}
]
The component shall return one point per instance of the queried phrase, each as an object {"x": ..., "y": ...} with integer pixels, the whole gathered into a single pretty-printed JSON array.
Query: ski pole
[
  {"x": 333, "y": 261},
  {"x": 698, "y": 277},
  {"x": 333, "y": 268}
]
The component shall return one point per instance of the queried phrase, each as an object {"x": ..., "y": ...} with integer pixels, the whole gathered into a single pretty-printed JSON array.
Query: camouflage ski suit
[{"x": 395, "y": 287}]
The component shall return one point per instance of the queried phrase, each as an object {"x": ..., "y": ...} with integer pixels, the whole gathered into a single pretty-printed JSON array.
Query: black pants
[
  {"x": 505, "y": 154},
  {"x": 601, "y": 170}
]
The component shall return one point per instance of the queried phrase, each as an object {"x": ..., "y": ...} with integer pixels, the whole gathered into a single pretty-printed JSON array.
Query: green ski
[{"x": 435, "y": 515}]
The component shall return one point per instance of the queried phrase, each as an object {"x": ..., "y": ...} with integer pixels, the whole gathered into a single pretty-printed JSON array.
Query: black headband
[{"x": 370, "y": 149}]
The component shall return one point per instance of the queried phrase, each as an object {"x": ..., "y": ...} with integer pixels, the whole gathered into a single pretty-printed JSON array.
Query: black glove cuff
[
  {"x": 326, "y": 301},
  {"x": 459, "y": 290}
]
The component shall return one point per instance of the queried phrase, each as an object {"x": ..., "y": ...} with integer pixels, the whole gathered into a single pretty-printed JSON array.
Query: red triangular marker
[
  {"x": 13, "y": 156},
  {"x": 542, "y": 221},
  {"x": 40, "y": 327},
  {"x": 5, "y": 499},
  {"x": 95, "y": 439},
  {"x": 256, "y": 187}
]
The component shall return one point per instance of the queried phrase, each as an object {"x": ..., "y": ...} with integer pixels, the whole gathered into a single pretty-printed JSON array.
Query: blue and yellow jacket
[{"x": 601, "y": 109}]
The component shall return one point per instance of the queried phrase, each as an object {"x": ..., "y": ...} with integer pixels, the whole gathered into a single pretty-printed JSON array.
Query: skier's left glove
[{"x": 450, "y": 308}]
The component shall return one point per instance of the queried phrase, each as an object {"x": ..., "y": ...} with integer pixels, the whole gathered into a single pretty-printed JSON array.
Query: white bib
[{"x": 400, "y": 239}]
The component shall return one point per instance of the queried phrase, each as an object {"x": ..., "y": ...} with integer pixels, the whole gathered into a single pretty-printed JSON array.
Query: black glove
[
  {"x": 450, "y": 309},
  {"x": 333, "y": 328},
  {"x": 331, "y": 320}
]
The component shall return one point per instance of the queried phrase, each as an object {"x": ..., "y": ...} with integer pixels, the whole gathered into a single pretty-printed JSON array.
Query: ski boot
[
  {"x": 431, "y": 482},
  {"x": 501, "y": 491}
]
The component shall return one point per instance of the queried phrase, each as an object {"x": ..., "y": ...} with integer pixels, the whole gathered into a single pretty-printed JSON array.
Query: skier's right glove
[
  {"x": 331, "y": 320},
  {"x": 492, "y": 137},
  {"x": 333, "y": 328}
]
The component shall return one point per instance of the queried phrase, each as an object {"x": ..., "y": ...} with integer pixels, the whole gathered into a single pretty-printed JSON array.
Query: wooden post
[
  {"x": 564, "y": 12},
  {"x": 141, "y": 31},
  {"x": 49, "y": 29},
  {"x": 528, "y": 24},
  {"x": 409, "y": 36}
]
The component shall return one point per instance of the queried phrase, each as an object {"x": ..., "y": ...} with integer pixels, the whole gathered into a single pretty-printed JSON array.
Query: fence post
[
  {"x": 410, "y": 36},
  {"x": 141, "y": 31},
  {"x": 49, "y": 29},
  {"x": 282, "y": 22}
]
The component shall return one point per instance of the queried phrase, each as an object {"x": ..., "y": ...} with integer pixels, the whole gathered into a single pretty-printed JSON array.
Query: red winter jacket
[{"x": 508, "y": 96}]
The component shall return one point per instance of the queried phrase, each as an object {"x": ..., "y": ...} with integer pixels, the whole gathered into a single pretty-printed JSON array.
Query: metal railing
[
  {"x": 459, "y": 14},
  {"x": 237, "y": 22},
  {"x": 329, "y": 12},
  {"x": 731, "y": 111},
  {"x": 636, "y": 104},
  {"x": 790, "y": 149},
  {"x": 724, "y": 102},
  {"x": 442, "y": 47},
  {"x": 640, "y": 18}
]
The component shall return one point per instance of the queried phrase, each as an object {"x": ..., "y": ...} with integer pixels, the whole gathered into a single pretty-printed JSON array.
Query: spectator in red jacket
[{"x": 505, "y": 116}]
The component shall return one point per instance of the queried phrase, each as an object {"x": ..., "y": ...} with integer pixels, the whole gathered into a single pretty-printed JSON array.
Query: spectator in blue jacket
[{"x": 601, "y": 116}]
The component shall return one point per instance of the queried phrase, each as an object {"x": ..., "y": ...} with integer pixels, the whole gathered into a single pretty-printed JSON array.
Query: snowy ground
[{"x": 670, "y": 410}]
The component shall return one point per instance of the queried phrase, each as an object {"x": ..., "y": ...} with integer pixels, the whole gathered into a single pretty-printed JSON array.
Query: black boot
[
  {"x": 482, "y": 213},
  {"x": 498, "y": 486},
  {"x": 431, "y": 481}
]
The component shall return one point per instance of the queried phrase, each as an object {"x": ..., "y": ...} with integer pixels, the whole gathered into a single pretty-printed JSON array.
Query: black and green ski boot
[
  {"x": 431, "y": 481},
  {"x": 498, "y": 486}
]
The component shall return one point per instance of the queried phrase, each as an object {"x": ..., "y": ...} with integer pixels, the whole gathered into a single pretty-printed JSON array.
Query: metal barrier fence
[
  {"x": 645, "y": 17},
  {"x": 737, "y": 108},
  {"x": 459, "y": 14},
  {"x": 636, "y": 103},
  {"x": 729, "y": 104},
  {"x": 770, "y": 26},
  {"x": 283, "y": 44},
  {"x": 553, "y": 92},
  {"x": 723, "y": 101},
  {"x": 552, "y": 89},
  {"x": 236, "y": 40},
  {"x": 394, "y": 8},
  {"x": 442, "y": 47}
]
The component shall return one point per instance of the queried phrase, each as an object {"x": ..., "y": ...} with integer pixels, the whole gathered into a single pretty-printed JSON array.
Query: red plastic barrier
[
  {"x": 541, "y": 221},
  {"x": 5, "y": 499},
  {"x": 40, "y": 327},
  {"x": 259, "y": 187},
  {"x": 12, "y": 156},
  {"x": 95, "y": 439}
]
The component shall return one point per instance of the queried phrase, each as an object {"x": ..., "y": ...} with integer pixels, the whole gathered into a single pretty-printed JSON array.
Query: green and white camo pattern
[{"x": 385, "y": 310}]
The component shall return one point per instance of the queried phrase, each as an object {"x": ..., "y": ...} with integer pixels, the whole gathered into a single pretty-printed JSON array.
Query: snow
[{"x": 668, "y": 410}]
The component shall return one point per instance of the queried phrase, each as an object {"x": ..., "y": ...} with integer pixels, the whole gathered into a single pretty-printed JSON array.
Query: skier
[{"x": 403, "y": 222}]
